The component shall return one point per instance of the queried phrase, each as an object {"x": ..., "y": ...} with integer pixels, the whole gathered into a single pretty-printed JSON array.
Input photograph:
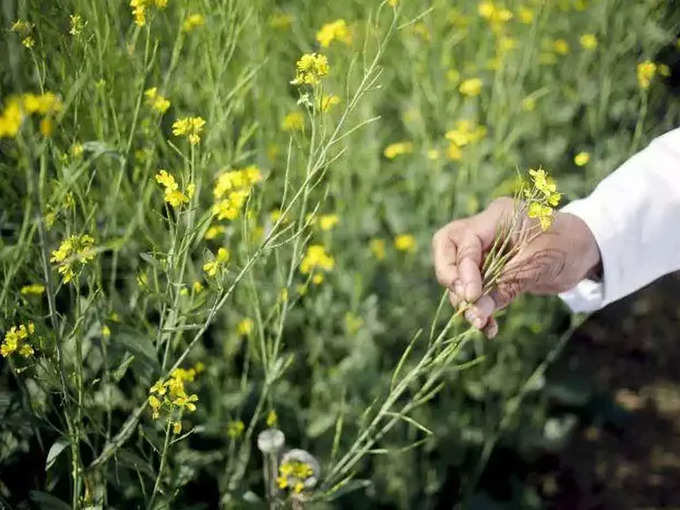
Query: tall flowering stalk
[{"x": 534, "y": 202}]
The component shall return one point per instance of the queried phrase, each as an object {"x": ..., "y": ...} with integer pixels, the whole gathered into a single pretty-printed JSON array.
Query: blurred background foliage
[{"x": 545, "y": 95}]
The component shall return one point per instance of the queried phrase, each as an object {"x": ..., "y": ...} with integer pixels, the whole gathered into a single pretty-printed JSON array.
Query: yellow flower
[
  {"x": 292, "y": 474},
  {"x": 191, "y": 127},
  {"x": 156, "y": 101},
  {"x": 172, "y": 194},
  {"x": 327, "y": 102},
  {"x": 16, "y": 340},
  {"x": 186, "y": 402},
  {"x": 561, "y": 46},
  {"x": 73, "y": 253},
  {"x": 331, "y": 31},
  {"x": 245, "y": 327},
  {"x": 193, "y": 21},
  {"x": 106, "y": 331},
  {"x": 76, "y": 24},
  {"x": 542, "y": 212},
  {"x": 317, "y": 279},
  {"x": 35, "y": 289},
  {"x": 235, "y": 429},
  {"x": 588, "y": 41},
  {"x": 159, "y": 388},
  {"x": 453, "y": 152},
  {"x": 139, "y": 9},
  {"x": 645, "y": 72},
  {"x": 272, "y": 419},
  {"x": 664, "y": 70},
  {"x": 214, "y": 231},
  {"x": 28, "y": 42},
  {"x": 220, "y": 260},
  {"x": 77, "y": 150},
  {"x": 177, "y": 427},
  {"x": 392, "y": 3},
  {"x": 397, "y": 149},
  {"x": 26, "y": 351},
  {"x": 328, "y": 221},
  {"x": 471, "y": 87},
  {"x": 155, "y": 405},
  {"x": 294, "y": 121},
  {"x": 581, "y": 159},
  {"x": 496, "y": 15},
  {"x": 11, "y": 119},
  {"x": 405, "y": 242},
  {"x": 316, "y": 257},
  {"x": 466, "y": 132},
  {"x": 46, "y": 127},
  {"x": 310, "y": 69}
]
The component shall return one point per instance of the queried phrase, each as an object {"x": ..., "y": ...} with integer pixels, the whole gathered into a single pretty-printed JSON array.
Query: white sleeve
[{"x": 634, "y": 215}]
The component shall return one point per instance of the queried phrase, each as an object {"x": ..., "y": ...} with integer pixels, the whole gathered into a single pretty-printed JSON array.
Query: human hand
[{"x": 554, "y": 261}]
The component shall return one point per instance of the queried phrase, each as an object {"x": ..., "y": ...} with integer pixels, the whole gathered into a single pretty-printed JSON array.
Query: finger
[
  {"x": 444, "y": 254},
  {"x": 491, "y": 328},
  {"x": 454, "y": 299},
  {"x": 469, "y": 261},
  {"x": 483, "y": 308},
  {"x": 474, "y": 319}
]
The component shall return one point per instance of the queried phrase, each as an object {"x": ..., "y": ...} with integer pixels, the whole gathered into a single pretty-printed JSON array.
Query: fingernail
[
  {"x": 477, "y": 322},
  {"x": 459, "y": 289}
]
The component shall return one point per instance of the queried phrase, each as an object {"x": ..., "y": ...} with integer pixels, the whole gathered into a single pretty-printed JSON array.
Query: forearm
[{"x": 634, "y": 215}]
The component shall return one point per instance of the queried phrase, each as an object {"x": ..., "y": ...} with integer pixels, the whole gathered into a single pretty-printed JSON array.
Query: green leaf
[
  {"x": 48, "y": 502},
  {"x": 119, "y": 373},
  {"x": 54, "y": 452}
]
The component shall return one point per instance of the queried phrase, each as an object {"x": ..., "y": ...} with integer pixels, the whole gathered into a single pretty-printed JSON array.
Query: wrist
[{"x": 585, "y": 249}]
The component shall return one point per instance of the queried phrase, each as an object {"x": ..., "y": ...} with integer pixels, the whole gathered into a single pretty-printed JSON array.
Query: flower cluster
[
  {"x": 310, "y": 69},
  {"x": 245, "y": 326},
  {"x": 293, "y": 121},
  {"x": 173, "y": 195},
  {"x": 235, "y": 429},
  {"x": 292, "y": 475},
  {"x": 542, "y": 196},
  {"x": 76, "y": 24},
  {"x": 496, "y": 15},
  {"x": 466, "y": 132},
  {"x": 471, "y": 87},
  {"x": 191, "y": 127},
  {"x": 397, "y": 149},
  {"x": 18, "y": 107},
  {"x": 24, "y": 29},
  {"x": 647, "y": 70},
  {"x": 171, "y": 397},
  {"x": 73, "y": 253},
  {"x": 337, "y": 30},
  {"x": 220, "y": 260},
  {"x": 316, "y": 258},
  {"x": 156, "y": 101},
  {"x": 193, "y": 21},
  {"x": 405, "y": 242},
  {"x": 231, "y": 190},
  {"x": 139, "y": 9},
  {"x": 16, "y": 340}
]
